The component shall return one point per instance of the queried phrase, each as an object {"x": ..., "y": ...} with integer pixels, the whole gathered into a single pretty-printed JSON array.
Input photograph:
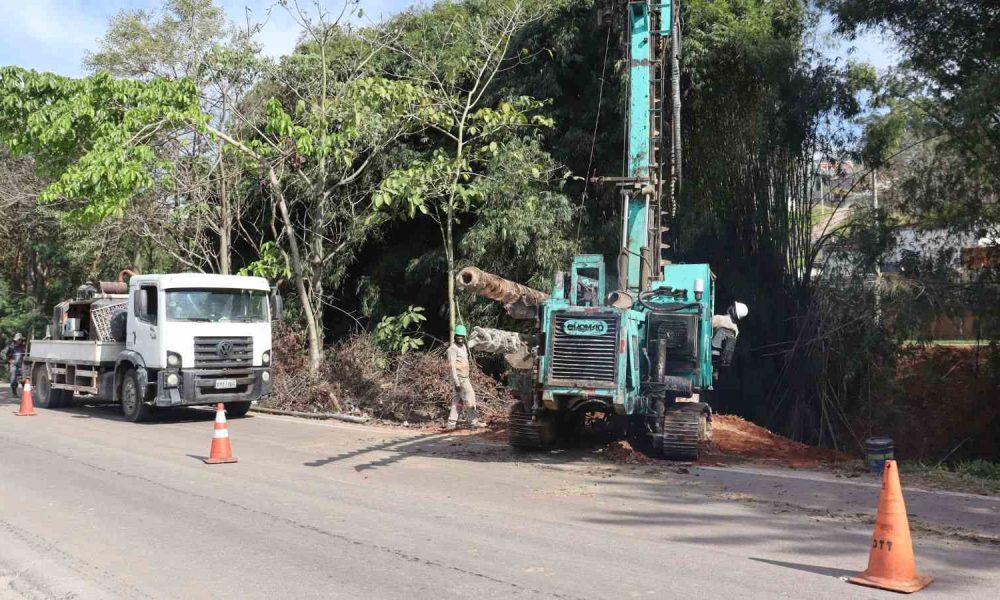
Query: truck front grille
[
  {"x": 584, "y": 358},
  {"x": 223, "y": 352}
]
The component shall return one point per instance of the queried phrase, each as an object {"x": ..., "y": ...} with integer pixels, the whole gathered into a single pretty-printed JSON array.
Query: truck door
[{"x": 143, "y": 323}]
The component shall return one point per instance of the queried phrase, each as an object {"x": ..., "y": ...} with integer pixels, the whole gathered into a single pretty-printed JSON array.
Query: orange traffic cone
[
  {"x": 891, "y": 565},
  {"x": 221, "y": 451},
  {"x": 27, "y": 405}
]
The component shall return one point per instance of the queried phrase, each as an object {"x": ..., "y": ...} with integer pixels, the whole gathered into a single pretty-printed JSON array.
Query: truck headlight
[
  {"x": 173, "y": 379},
  {"x": 265, "y": 358},
  {"x": 265, "y": 376},
  {"x": 173, "y": 359}
]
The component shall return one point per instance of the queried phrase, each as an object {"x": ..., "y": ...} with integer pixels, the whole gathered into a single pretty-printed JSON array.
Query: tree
[
  {"x": 96, "y": 137},
  {"x": 950, "y": 47},
  {"x": 199, "y": 215},
  {"x": 105, "y": 140},
  {"x": 457, "y": 57}
]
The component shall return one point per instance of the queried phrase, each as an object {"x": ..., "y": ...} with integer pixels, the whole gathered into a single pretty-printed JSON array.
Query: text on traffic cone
[
  {"x": 221, "y": 450},
  {"x": 27, "y": 405},
  {"x": 891, "y": 565}
]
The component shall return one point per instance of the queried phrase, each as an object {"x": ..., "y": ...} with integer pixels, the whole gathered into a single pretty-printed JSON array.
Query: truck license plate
[{"x": 225, "y": 384}]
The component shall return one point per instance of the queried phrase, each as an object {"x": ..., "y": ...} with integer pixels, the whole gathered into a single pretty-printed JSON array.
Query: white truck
[{"x": 160, "y": 340}]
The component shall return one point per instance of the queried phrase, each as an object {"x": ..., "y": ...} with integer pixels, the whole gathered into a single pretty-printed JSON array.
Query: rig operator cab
[{"x": 183, "y": 339}]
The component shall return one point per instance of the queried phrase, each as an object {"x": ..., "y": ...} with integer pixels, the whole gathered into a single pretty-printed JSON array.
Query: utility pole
[{"x": 878, "y": 262}]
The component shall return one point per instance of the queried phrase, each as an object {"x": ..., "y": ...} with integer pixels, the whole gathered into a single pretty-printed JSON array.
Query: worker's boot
[{"x": 474, "y": 419}]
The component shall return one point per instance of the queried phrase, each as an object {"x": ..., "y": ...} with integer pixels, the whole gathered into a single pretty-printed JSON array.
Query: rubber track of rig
[
  {"x": 523, "y": 432},
  {"x": 680, "y": 433}
]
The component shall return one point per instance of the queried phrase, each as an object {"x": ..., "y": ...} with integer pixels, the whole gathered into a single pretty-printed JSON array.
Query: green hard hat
[{"x": 461, "y": 330}]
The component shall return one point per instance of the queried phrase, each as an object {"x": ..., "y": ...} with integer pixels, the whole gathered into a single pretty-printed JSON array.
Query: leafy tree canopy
[{"x": 94, "y": 135}]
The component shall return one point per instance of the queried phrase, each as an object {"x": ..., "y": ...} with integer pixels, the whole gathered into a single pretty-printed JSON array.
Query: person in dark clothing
[{"x": 14, "y": 355}]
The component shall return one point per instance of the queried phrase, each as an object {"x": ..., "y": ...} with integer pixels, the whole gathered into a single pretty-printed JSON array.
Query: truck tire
[
  {"x": 236, "y": 410},
  {"x": 42, "y": 394},
  {"x": 134, "y": 405}
]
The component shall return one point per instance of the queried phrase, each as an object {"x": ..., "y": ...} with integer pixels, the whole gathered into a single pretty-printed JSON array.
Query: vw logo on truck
[{"x": 585, "y": 327}]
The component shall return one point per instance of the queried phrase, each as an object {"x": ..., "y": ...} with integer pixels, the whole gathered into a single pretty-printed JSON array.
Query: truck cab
[
  {"x": 201, "y": 339},
  {"x": 182, "y": 339}
]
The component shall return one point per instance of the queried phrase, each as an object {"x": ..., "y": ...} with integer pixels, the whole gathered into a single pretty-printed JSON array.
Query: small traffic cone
[
  {"x": 221, "y": 451},
  {"x": 27, "y": 405},
  {"x": 891, "y": 565}
]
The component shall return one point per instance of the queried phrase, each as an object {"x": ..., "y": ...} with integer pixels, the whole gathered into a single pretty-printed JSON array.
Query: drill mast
[{"x": 652, "y": 55}]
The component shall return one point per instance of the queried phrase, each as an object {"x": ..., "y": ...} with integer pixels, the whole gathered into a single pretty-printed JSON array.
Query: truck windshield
[{"x": 214, "y": 306}]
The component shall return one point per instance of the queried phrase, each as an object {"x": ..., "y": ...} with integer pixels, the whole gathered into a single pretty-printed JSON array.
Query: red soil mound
[{"x": 736, "y": 439}]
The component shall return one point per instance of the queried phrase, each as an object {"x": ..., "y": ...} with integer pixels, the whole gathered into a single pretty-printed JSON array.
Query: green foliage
[
  {"x": 882, "y": 138},
  {"x": 979, "y": 476},
  {"x": 93, "y": 135},
  {"x": 950, "y": 66},
  {"x": 271, "y": 264},
  {"x": 980, "y": 469},
  {"x": 524, "y": 229},
  {"x": 399, "y": 334},
  {"x": 20, "y": 313}
]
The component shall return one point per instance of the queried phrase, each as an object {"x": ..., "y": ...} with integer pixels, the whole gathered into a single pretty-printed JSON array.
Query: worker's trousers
[{"x": 464, "y": 394}]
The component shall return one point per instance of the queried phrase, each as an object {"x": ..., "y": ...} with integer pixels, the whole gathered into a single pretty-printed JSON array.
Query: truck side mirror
[{"x": 277, "y": 305}]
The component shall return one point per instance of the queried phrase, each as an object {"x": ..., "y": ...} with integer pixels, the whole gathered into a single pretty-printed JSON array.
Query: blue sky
[{"x": 54, "y": 35}]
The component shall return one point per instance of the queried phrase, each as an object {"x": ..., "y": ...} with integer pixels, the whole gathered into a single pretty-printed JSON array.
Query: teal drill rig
[{"x": 642, "y": 354}]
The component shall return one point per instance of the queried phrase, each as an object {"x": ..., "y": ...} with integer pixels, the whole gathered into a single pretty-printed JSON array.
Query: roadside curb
[{"x": 308, "y": 415}]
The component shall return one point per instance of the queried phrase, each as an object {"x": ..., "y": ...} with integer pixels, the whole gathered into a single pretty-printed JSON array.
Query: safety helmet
[
  {"x": 18, "y": 337},
  {"x": 738, "y": 311},
  {"x": 461, "y": 330}
]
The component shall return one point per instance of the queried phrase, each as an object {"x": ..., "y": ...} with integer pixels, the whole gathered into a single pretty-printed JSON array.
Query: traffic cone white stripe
[
  {"x": 220, "y": 416},
  {"x": 221, "y": 433},
  {"x": 27, "y": 386}
]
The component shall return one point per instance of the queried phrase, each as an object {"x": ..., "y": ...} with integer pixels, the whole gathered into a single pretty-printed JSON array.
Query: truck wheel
[
  {"x": 42, "y": 393},
  {"x": 134, "y": 405},
  {"x": 235, "y": 410}
]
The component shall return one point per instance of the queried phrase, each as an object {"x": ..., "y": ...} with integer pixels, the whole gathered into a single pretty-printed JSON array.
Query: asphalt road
[{"x": 94, "y": 507}]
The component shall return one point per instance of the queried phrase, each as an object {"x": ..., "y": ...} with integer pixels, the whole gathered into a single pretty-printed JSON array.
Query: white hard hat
[
  {"x": 739, "y": 310},
  {"x": 18, "y": 337}
]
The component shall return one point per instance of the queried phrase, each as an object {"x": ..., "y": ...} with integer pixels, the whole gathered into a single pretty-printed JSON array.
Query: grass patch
[
  {"x": 821, "y": 212},
  {"x": 975, "y": 476}
]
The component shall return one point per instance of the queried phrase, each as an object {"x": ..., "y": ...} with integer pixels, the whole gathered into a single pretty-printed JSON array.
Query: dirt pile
[
  {"x": 735, "y": 439},
  {"x": 621, "y": 452},
  {"x": 357, "y": 377}
]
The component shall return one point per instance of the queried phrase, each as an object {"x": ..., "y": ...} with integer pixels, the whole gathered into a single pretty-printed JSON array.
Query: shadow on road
[
  {"x": 82, "y": 408},
  {"x": 829, "y": 572},
  {"x": 480, "y": 446}
]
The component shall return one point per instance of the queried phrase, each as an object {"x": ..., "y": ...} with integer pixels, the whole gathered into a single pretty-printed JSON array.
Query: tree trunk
[
  {"x": 449, "y": 252},
  {"x": 226, "y": 221},
  {"x": 312, "y": 331}
]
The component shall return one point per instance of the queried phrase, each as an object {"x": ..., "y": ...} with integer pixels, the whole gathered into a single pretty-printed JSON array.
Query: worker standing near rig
[{"x": 464, "y": 394}]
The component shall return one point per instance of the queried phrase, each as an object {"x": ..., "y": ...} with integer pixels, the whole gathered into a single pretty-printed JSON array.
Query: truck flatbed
[{"x": 74, "y": 351}]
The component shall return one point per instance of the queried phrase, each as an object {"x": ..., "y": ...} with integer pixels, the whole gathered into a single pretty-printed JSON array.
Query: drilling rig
[{"x": 642, "y": 355}]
